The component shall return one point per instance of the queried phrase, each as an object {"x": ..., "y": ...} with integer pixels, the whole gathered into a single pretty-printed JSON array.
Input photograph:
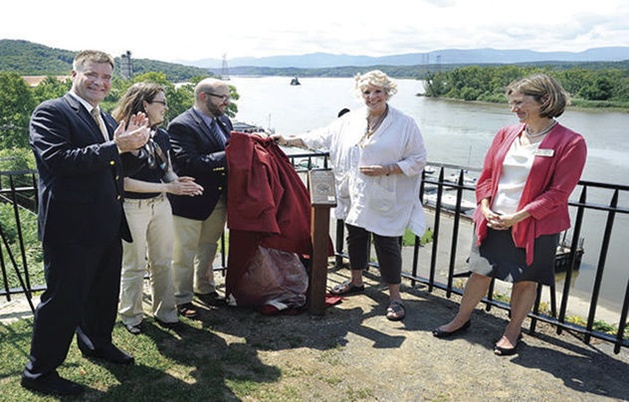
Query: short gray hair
[{"x": 95, "y": 56}]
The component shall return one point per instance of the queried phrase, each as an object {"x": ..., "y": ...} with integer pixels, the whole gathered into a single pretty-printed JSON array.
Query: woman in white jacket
[{"x": 377, "y": 154}]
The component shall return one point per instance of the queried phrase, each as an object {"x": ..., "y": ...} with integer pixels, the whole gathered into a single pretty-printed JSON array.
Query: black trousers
[
  {"x": 388, "y": 251},
  {"x": 83, "y": 285}
]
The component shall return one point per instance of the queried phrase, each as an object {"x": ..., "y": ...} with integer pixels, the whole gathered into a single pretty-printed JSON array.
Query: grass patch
[
  {"x": 409, "y": 238},
  {"x": 194, "y": 364}
]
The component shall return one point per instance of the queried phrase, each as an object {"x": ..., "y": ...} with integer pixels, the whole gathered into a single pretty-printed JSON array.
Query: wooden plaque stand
[{"x": 322, "y": 198}]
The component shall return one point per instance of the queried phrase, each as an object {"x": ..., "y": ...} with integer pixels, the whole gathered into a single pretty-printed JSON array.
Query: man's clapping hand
[{"x": 135, "y": 135}]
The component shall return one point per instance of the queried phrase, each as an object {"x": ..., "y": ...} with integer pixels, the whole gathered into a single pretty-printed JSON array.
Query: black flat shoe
[
  {"x": 500, "y": 351},
  {"x": 440, "y": 333},
  {"x": 347, "y": 288},
  {"x": 211, "y": 299}
]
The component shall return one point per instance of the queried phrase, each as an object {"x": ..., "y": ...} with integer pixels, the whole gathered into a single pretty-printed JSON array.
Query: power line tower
[
  {"x": 126, "y": 67},
  {"x": 225, "y": 69}
]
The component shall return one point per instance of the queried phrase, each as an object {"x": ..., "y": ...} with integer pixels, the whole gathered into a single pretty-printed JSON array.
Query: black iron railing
[{"x": 446, "y": 191}]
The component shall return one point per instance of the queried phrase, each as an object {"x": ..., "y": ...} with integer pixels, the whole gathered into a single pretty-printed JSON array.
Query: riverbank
[{"x": 576, "y": 104}]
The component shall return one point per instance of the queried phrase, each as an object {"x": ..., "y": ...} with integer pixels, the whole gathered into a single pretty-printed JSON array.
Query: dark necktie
[{"x": 218, "y": 126}]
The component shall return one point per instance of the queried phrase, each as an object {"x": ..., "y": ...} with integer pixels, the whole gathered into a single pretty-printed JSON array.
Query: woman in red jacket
[{"x": 528, "y": 175}]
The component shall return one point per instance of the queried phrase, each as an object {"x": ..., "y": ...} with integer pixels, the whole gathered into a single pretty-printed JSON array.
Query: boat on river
[
  {"x": 562, "y": 261},
  {"x": 243, "y": 127},
  {"x": 448, "y": 201},
  {"x": 467, "y": 179}
]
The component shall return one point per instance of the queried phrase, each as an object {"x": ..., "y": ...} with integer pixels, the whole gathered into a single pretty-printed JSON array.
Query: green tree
[
  {"x": 180, "y": 97},
  {"x": 51, "y": 88},
  {"x": 574, "y": 79},
  {"x": 601, "y": 89},
  {"x": 232, "y": 109},
  {"x": 16, "y": 106}
]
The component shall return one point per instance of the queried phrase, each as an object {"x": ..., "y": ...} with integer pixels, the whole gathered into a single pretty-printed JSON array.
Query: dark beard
[{"x": 216, "y": 112}]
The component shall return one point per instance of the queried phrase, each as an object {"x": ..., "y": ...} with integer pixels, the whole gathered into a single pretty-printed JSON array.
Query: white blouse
[
  {"x": 385, "y": 205},
  {"x": 515, "y": 173}
]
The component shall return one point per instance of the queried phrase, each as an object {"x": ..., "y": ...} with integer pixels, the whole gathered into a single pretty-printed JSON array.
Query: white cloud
[{"x": 192, "y": 29}]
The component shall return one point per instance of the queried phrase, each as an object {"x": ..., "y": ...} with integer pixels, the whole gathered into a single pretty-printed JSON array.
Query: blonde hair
[
  {"x": 375, "y": 78},
  {"x": 546, "y": 91}
]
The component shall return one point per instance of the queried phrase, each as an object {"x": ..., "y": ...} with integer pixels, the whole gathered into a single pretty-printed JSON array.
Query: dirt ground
[{"x": 353, "y": 353}]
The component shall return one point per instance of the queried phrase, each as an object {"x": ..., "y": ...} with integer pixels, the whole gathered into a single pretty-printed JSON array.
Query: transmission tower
[
  {"x": 225, "y": 69},
  {"x": 126, "y": 66}
]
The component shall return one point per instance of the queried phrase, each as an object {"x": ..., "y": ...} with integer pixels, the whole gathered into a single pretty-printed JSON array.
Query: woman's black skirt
[{"x": 498, "y": 257}]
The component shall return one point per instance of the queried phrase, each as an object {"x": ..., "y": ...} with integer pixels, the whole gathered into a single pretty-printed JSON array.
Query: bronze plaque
[{"x": 322, "y": 190}]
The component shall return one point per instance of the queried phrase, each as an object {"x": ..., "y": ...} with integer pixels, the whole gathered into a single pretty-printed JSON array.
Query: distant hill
[
  {"x": 27, "y": 58},
  {"x": 445, "y": 56}
]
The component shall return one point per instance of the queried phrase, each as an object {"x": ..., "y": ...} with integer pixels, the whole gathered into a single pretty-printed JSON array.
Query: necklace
[
  {"x": 373, "y": 125},
  {"x": 544, "y": 131}
]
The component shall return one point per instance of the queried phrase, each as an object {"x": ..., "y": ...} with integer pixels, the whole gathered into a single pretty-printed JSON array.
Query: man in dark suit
[
  {"x": 81, "y": 223},
  {"x": 198, "y": 137}
]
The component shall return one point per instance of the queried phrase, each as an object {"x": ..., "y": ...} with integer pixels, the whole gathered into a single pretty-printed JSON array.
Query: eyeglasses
[
  {"x": 224, "y": 98},
  {"x": 160, "y": 101}
]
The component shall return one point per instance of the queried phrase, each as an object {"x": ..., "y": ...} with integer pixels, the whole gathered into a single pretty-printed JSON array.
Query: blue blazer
[
  {"x": 80, "y": 175},
  {"x": 198, "y": 151}
]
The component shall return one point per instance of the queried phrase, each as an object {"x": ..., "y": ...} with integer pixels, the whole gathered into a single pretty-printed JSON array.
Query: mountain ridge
[{"x": 443, "y": 56}]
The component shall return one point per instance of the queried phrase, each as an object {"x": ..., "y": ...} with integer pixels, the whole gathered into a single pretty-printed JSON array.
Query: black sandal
[
  {"x": 394, "y": 310},
  {"x": 346, "y": 288},
  {"x": 187, "y": 310}
]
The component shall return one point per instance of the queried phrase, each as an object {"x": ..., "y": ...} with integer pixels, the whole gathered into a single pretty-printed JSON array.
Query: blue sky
[{"x": 193, "y": 30}]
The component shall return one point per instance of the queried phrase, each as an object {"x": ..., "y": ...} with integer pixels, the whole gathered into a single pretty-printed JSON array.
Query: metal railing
[{"x": 446, "y": 191}]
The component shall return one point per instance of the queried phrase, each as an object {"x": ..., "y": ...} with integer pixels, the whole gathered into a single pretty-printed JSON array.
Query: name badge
[{"x": 545, "y": 152}]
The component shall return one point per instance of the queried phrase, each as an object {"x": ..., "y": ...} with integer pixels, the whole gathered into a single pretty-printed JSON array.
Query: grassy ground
[
  {"x": 216, "y": 358},
  {"x": 351, "y": 353}
]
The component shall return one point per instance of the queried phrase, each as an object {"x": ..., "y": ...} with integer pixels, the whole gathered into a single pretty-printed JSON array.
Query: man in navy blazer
[
  {"x": 81, "y": 223},
  {"x": 198, "y": 137}
]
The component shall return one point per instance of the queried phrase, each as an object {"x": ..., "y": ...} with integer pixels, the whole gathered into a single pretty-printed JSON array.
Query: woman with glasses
[
  {"x": 148, "y": 176},
  {"x": 377, "y": 155},
  {"x": 529, "y": 172}
]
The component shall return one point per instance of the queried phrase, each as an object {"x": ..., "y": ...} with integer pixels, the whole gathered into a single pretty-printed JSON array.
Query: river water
[{"x": 459, "y": 133}]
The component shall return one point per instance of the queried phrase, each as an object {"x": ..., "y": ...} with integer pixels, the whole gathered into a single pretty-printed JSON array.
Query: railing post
[
  {"x": 340, "y": 233},
  {"x": 575, "y": 235},
  {"x": 601, "y": 265}
]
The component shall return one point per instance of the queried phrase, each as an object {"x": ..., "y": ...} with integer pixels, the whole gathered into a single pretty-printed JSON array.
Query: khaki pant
[
  {"x": 195, "y": 247},
  {"x": 151, "y": 224}
]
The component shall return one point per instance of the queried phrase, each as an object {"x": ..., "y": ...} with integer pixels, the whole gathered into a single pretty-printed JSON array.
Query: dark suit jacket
[
  {"x": 80, "y": 175},
  {"x": 197, "y": 151}
]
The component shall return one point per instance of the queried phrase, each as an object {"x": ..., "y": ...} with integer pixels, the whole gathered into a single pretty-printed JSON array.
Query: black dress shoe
[
  {"x": 52, "y": 384},
  {"x": 134, "y": 329},
  {"x": 211, "y": 299},
  {"x": 169, "y": 325},
  {"x": 109, "y": 353},
  {"x": 439, "y": 333}
]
